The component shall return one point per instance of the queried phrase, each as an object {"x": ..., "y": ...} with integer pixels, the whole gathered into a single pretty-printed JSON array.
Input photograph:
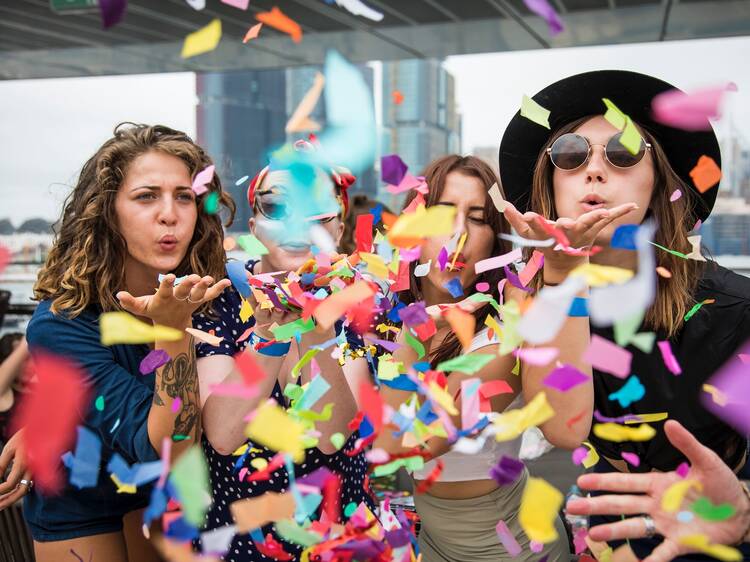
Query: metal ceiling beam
[
  {"x": 32, "y": 30},
  {"x": 383, "y": 7},
  {"x": 509, "y": 11},
  {"x": 560, "y": 5},
  {"x": 665, "y": 19},
  {"x": 442, "y": 9}
]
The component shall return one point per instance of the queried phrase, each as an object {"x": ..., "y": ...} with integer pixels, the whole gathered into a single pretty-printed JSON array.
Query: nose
[
  {"x": 596, "y": 167},
  {"x": 167, "y": 212},
  {"x": 459, "y": 226}
]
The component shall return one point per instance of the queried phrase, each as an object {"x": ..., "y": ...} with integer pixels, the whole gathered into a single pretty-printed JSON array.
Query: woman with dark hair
[
  {"x": 288, "y": 222},
  {"x": 582, "y": 164},
  {"x": 131, "y": 217},
  {"x": 460, "y": 509}
]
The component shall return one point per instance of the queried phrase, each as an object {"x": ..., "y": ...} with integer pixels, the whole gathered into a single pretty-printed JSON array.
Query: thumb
[
  {"x": 688, "y": 445},
  {"x": 129, "y": 302}
]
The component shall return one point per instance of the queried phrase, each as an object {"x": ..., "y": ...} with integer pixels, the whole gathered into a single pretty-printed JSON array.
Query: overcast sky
[{"x": 49, "y": 127}]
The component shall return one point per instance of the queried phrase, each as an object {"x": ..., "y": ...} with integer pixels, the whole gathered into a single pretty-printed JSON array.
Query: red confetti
[{"x": 432, "y": 477}]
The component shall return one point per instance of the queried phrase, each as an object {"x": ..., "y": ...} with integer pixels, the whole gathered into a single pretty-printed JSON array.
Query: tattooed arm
[{"x": 175, "y": 412}]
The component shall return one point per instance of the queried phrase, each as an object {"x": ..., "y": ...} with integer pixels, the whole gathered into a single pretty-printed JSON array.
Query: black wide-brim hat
[{"x": 581, "y": 95}]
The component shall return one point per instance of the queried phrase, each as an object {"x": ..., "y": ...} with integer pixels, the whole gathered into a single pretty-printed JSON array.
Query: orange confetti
[
  {"x": 463, "y": 325},
  {"x": 706, "y": 173},
  {"x": 664, "y": 272},
  {"x": 398, "y": 97},
  {"x": 279, "y": 20},
  {"x": 252, "y": 33},
  {"x": 333, "y": 307},
  {"x": 229, "y": 244}
]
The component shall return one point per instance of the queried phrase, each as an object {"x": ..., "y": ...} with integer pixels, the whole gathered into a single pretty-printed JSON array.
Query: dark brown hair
[
  {"x": 435, "y": 176},
  {"x": 86, "y": 265},
  {"x": 674, "y": 296}
]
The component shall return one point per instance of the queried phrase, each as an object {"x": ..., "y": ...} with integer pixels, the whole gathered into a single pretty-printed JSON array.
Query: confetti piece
[
  {"x": 706, "y": 174},
  {"x": 548, "y": 312},
  {"x": 565, "y": 377},
  {"x": 682, "y": 469},
  {"x": 84, "y": 465},
  {"x": 251, "y": 513},
  {"x": 252, "y": 245},
  {"x": 716, "y": 395},
  {"x": 600, "y": 275},
  {"x": 217, "y": 541},
  {"x": 300, "y": 120},
  {"x": 359, "y": 8},
  {"x": 423, "y": 223},
  {"x": 337, "y": 440},
  {"x": 512, "y": 423},
  {"x": 669, "y": 359},
  {"x": 705, "y": 509},
  {"x": 676, "y": 194},
  {"x": 205, "y": 337},
  {"x": 534, "y": 112},
  {"x": 112, "y": 11},
  {"x": 468, "y": 364},
  {"x": 397, "y": 97},
  {"x": 507, "y": 539},
  {"x": 156, "y": 358},
  {"x": 202, "y": 41},
  {"x": 539, "y": 506},
  {"x": 239, "y": 4},
  {"x": 543, "y": 9},
  {"x": 392, "y": 169},
  {"x": 251, "y": 34},
  {"x": 630, "y": 392},
  {"x": 211, "y": 203},
  {"x": 280, "y": 21},
  {"x": 99, "y": 403},
  {"x": 463, "y": 324},
  {"x": 689, "y": 111},
  {"x": 696, "y": 307},
  {"x": 273, "y": 428},
  {"x": 538, "y": 356},
  {"x": 585, "y": 455},
  {"x": 719, "y": 551},
  {"x": 189, "y": 477},
  {"x": 333, "y": 307},
  {"x": 506, "y": 470},
  {"x": 121, "y": 327},
  {"x": 647, "y": 418},
  {"x": 672, "y": 497},
  {"x": 619, "y": 433},
  {"x": 613, "y": 114},
  {"x": 498, "y": 261},
  {"x": 664, "y": 272},
  {"x": 202, "y": 179},
  {"x": 606, "y": 356},
  {"x": 731, "y": 392},
  {"x": 196, "y": 4},
  {"x": 631, "y": 139},
  {"x": 631, "y": 458},
  {"x": 497, "y": 198}
]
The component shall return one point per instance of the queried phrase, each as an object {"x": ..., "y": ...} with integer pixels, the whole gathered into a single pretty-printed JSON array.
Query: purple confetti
[
  {"x": 392, "y": 169},
  {"x": 565, "y": 377},
  {"x": 631, "y": 458},
  {"x": 579, "y": 454},
  {"x": 622, "y": 419},
  {"x": 363, "y": 549},
  {"x": 398, "y": 537},
  {"x": 112, "y": 11},
  {"x": 683, "y": 469},
  {"x": 443, "y": 258},
  {"x": 176, "y": 405},
  {"x": 507, "y": 470},
  {"x": 733, "y": 381},
  {"x": 389, "y": 346},
  {"x": 547, "y": 13},
  {"x": 414, "y": 314},
  {"x": 317, "y": 478},
  {"x": 514, "y": 280},
  {"x": 155, "y": 359}
]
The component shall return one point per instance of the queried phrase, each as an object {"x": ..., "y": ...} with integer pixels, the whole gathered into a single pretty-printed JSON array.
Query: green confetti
[
  {"x": 190, "y": 479},
  {"x": 99, "y": 404},
  {"x": 466, "y": 363},
  {"x": 616, "y": 117},
  {"x": 415, "y": 344},
  {"x": 291, "y": 329},
  {"x": 673, "y": 252},
  {"x": 338, "y": 440},
  {"x": 211, "y": 203},
  {"x": 705, "y": 509},
  {"x": 696, "y": 308},
  {"x": 252, "y": 245},
  {"x": 410, "y": 463},
  {"x": 350, "y": 509},
  {"x": 177, "y": 437},
  {"x": 534, "y": 112},
  {"x": 291, "y": 532},
  {"x": 631, "y": 138}
]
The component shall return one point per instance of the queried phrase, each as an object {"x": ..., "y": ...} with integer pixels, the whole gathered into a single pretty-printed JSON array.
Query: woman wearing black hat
[{"x": 580, "y": 164}]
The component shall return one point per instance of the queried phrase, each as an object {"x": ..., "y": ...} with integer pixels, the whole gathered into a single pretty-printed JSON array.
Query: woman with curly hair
[{"x": 132, "y": 217}]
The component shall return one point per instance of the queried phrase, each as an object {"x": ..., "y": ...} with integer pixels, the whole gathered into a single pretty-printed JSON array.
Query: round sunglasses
[
  {"x": 275, "y": 205},
  {"x": 571, "y": 151}
]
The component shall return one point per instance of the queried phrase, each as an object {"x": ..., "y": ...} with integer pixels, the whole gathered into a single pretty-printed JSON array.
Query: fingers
[
  {"x": 199, "y": 290},
  {"x": 617, "y": 482},
  {"x": 216, "y": 289},
  {"x": 14, "y": 477},
  {"x": 517, "y": 220},
  {"x": 16, "y": 494},
  {"x": 129, "y": 303},
  {"x": 182, "y": 291},
  {"x": 683, "y": 440},
  {"x": 632, "y": 528},
  {"x": 165, "y": 287},
  {"x": 610, "y": 505},
  {"x": 666, "y": 551}
]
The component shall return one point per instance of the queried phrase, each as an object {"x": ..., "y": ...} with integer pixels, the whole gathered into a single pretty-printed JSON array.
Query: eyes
[{"x": 182, "y": 195}]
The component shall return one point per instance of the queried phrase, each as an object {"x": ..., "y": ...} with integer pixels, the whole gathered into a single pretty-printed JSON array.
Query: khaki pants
[{"x": 464, "y": 530}]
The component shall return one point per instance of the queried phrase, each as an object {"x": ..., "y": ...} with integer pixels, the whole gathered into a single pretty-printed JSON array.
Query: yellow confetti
[
  {"x": 631, "y": 138},
  {"x": 202, "y": 41},
  {"x": 648, "y": 418},
  {"x": 720, "y": 551},
  {"x": 122, "y": 488},
  {"x": 424, "y": 223},
  {"x": 717, "y": 395},
  {"x": 512, "y": 423},
  {"x": 388, "y": 369},
  {"x": 444, "y": 399},
  {"x": 375, "y": 264},
  {"x": 121, "y": 327},
  {"x": 539, "y": 506},
  {"x": 672, "y": 498},
  {"x": 600, "y": 275},
  {"x": 246, "y": 310},
  {"x": 618, "y": 433},
  {"x": 591, "y": 458},
  {"x": 534, "y": 112},
  {"x": 273, "y": 428},
  {"x": 459, "y": 248},
  {"x": 616, "y": 117}
]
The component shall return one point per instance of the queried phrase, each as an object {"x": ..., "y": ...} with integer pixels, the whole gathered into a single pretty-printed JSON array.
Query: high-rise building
[
  {"x": 425, "y": 124},
  {"x": 727, "y": 230},
  {"x": 241, "y": 116},
  {"x": 489, "y": 154}
]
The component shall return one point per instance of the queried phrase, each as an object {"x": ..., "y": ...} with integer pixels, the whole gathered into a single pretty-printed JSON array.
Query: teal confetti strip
[{"x": 99, "y": 404}]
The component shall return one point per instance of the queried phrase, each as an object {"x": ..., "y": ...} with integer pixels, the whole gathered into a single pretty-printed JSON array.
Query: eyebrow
[
  {"x": 158, "y": 187},
  {"x": 448, "y": 204}
]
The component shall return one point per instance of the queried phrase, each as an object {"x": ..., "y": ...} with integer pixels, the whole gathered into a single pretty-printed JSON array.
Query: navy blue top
[
  {"x": 224, "y": 469},
  {"x": 113, "y": 373}
]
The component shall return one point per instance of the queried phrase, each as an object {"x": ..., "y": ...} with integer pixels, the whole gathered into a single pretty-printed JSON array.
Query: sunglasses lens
[
  {"x": 569, "y": 151},
  {"x": 620, "y": 156},
  {"x": 273, "y": 207}
]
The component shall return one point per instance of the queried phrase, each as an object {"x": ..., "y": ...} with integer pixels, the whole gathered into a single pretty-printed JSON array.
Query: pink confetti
[
  {"x": 5, "y": 257},
  {"x": 543, "y": 9},
  {"x": 669, "y": 359},
  {"x": 243, "y": 471},
  {"x": 535, "y": 264},
  {"x": 536, "y": 547},
  {"x": 683, "y": 469},
  {"x": 579, "y": 540},
  {"x": 538, "y": 356},
  {"x": 676, "y": 194},
  {"x": 408, "y": 182},
  {"x": 497, "y": 262},
  {"x": 203, "y": 178},
  {"x": 176, "y": 405},
  {"x": 565, "y": 377},
  {"x": 631, "y": 458},
  {"x": 239, "y": 4},
  {"x": 506, "y": 537},
  {"x": 609, "y": 357},
  {"x": 166, "y": 455},
  {"x": 443, "y": 258},
  {"x": 689, "y": 111},
  {"x": 579, "y": 454},
  {"x": 483, "y": 287}
]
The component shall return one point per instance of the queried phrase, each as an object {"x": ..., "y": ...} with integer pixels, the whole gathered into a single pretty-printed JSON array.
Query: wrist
[
  {"x": 176, "y": 323},
  {"x": 743, "y": 514},
  {"x": 556, "y": 271}
]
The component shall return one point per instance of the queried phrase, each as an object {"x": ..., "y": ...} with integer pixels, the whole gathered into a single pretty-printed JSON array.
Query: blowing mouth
[{"x": 458, "y": 260}]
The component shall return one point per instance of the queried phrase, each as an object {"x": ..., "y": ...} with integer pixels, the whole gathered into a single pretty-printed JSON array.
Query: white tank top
[{"x": 459, "y": 467}]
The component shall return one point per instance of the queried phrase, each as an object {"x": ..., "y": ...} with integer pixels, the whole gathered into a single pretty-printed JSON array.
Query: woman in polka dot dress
[{"x": 270, "y": 195}]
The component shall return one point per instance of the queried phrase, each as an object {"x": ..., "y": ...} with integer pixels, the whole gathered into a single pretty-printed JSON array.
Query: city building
[
  {"x": 727, "y": 230},
  {"x": 489, "y": 154},
  {"x": 419, "y": 117}
]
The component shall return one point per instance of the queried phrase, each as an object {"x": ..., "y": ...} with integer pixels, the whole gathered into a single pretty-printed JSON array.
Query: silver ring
[
  {"x": 192, "y": 301},
  {"x": 28, "y": 483},
  {"x": 650, "y": 526},
  {"x": 182, "y": 300}
]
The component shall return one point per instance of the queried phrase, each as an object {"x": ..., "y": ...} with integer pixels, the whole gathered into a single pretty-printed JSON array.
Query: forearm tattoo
[{"x": 179, "y": 379}]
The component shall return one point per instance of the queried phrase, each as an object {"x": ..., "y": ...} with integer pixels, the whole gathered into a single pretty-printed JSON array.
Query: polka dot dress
[{"x": 224, "y": 469}]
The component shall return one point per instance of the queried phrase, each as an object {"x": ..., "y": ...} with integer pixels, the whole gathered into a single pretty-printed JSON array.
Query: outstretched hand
[{"x": 641, "y": 494}]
